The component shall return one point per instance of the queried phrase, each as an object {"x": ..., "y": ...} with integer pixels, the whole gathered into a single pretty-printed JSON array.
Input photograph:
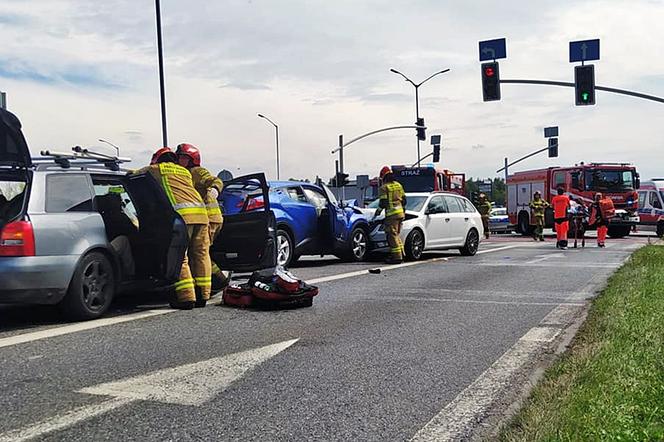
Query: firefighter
[
  {"x": 600, "y": 219},
  {"x": 179, "y": 188},
  {"x": 392, "y": 200},
  {"x": 209, "y": 187},
  {"x": 484, "y": 207},
  {"x": 560, "y": 205},
  {"x": 538, "y": 207}
]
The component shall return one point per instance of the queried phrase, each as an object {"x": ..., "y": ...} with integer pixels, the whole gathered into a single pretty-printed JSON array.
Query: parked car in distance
[
  {"x": 310, "y": 221},
  {"x": 58, "y": 226},
  {"x": 499, "y": 221},
  {"x": 434, "y": 221}
]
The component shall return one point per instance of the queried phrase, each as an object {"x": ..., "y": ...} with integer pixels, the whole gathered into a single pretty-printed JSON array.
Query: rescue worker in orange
[
  {"x": 179, "y": 188},
  {"x": 209, "y": 187},
  {"x": 600, "y": 218},
  {"x": 560, "y": 205},
  {"x": 393, "y": 200}
]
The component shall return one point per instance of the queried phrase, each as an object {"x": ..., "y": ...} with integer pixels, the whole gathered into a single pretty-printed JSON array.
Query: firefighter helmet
[
  {"x": 189, "y": 151},
  {"x": 160, "y": 156},
  {"x": 384, "y": 171}
]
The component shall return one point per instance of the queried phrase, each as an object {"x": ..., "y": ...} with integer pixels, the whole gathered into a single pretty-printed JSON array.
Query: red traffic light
[{"x": 489, "y": 72}]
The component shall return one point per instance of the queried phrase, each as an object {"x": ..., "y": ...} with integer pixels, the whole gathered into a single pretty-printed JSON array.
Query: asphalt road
[{"x": 427, "y": 351}]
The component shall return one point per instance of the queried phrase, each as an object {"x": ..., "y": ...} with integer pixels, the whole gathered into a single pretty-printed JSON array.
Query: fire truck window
[
  {"x": 654, "y": 201},
  {"x": 558, "y": 179},
  {"x": 576, "y": 182},
  {"x": 642, "y": 199}
]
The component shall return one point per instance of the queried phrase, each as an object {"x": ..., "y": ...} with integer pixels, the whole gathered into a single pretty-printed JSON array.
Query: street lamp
[
  {"x": 111, "y": 144},
  {"x": 277, "y": 138},
  {"x": 417, "y": 98},
  {"x": 162, "y": 89}
]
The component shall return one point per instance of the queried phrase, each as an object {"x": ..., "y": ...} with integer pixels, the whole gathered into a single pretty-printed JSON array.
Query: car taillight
[
  {"x": 17, "y": 239},
  {"x": 253, "y": 204}
]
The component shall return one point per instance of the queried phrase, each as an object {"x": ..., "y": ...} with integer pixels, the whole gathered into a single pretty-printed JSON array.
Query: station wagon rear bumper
[{"x": 35, "y": 279}]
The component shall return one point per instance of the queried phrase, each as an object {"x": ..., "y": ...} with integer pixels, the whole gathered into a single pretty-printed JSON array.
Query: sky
[{"x": 76, "y": 71}]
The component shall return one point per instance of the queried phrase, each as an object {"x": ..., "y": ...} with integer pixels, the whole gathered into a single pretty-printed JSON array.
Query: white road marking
[
  {"x": 563, "y": 314},
  {"x": 191, "y": 384},
  {"x": 472, "y": 301},
  {"x": 63, "y": 421},
  {"x": 73, "y": 328},
  {"x": 460, "y": 415}
]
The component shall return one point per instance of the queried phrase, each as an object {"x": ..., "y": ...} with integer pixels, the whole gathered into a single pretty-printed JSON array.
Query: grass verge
[{"x": 610, "y": 384}]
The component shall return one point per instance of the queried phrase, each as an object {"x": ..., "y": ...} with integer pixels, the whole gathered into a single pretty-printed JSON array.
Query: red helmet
[
  {"x": 190, "y": 151},
  {"x": 158, "y": 156},
  {"x": 384, "y": 171}
]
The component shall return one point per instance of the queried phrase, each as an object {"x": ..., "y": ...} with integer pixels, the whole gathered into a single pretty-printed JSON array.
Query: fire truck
[
  {"x": 618, "y": 181},
  {"x": 429, "y": 179}
]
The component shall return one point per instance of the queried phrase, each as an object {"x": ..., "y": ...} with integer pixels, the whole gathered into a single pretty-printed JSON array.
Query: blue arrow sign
[
  {"x": 583, "y": 50},
  {"x": 493, "y": 49}
]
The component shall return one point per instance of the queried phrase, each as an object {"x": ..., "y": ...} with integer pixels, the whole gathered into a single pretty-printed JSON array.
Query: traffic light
[
  {"x": 584, "y": 85},
  {"x": 553, "y": 147},
  {"x": 421, "y": 131},
  {"x": 341, "y": 179},
  {"x": 490, "y": 81},
  {"x": 436, "y": 153}
]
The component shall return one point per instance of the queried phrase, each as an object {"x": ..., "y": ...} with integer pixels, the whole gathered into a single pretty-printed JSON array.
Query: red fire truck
[
  {"x": 618, "y": 181},
  {"x": 429, "y": 179}
]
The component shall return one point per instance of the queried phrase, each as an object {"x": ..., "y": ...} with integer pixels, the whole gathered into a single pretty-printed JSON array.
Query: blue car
[{"x": 310, "y": 221}]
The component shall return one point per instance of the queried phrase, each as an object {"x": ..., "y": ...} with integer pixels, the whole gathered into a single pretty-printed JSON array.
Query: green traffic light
[{"x": 585, "y": 96}]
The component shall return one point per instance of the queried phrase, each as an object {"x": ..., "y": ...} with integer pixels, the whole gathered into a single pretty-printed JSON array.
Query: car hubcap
[
  {"x": 283, "y": 250},
  {"x": 95, "y": 285},
  {"x": 418, "y": 245},
  {"x": 359, "y": 244}
]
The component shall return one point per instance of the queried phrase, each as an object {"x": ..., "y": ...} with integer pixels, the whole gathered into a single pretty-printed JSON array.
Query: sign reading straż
[
  {"x": 584, "y": 50},
  {"x": 493, "y": 49}
]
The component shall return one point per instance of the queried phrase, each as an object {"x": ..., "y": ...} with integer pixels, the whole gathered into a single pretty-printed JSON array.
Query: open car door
[
  {"x": 247, "y": 240},
  {"x": 162, "y": 234}
]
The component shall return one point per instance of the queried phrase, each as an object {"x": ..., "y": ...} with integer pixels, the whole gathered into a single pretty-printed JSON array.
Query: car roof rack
[{"x": 79, "y": 157}]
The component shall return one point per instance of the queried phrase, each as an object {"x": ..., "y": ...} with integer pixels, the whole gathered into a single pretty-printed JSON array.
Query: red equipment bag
[
  {"x": 238, "y": 295},
  {"x": 607, "y": 208}
]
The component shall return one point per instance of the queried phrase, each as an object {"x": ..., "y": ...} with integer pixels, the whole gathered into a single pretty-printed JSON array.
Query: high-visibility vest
[
  {"x": 538, "y": 207},
  {"x": 203, "y": 182},
  {"x": 393, "y": 194},
  {"x": 179, "y": 188}
]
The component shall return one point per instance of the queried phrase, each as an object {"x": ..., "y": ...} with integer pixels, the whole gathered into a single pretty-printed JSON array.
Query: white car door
[
  {"x": 436, "y": 223},
  {"x": 458, "y": 220}
]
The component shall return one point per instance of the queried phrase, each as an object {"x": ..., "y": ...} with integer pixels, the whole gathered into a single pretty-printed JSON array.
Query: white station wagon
[{"x": 434, "y": 221}]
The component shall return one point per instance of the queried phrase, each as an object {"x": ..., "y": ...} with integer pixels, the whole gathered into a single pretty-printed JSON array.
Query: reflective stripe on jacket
[
  {"x": 392, "y": 195},
  {"x": 538, "y": 206},
  {"x": 179, "y": 188},
  {"x": 203, "y": 182}
]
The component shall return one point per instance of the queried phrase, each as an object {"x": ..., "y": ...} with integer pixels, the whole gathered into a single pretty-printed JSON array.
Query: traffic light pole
[
  {"x": 162, "y": 88},
  {"x": 599, "y": 88},
  {"x": 519, "y": 160}
]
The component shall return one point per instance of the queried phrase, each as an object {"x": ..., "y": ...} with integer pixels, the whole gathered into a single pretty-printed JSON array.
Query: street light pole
[
  {"x": 276, "y": 128},
  {"x": 417, "y": 98},
  {"x": 162, "y": 89}
]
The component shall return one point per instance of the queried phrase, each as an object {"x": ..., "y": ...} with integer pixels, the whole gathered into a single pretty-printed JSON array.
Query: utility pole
[
  {"x": 3, "y": 100},
  {"x": 160, "y": 50}
]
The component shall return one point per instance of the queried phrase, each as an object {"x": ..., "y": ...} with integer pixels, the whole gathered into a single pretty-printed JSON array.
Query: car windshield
[
  {"x": 609, "y": 180},
  {"x": 413, "y": 203}
]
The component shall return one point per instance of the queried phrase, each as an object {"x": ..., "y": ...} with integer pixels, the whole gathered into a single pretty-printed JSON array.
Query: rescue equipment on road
[{"x": 274, "y": 288}]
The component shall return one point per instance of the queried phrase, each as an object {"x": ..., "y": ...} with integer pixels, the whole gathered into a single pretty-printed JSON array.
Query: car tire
[
  {"x": 660, "y": 229},
  {"x": 285, "y": 248},
  {"x": 414, "y": 246},
  {"x": 619, "y": 232},
  {"x": 472, "y": 243},
  {"x": 524, "y": 226},
  {"x": 91, "y": 289},
  {"x": 358, "y": 245}
]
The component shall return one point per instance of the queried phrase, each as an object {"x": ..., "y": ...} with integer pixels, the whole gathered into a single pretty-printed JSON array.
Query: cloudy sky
[{"x": 79, "y": 70}]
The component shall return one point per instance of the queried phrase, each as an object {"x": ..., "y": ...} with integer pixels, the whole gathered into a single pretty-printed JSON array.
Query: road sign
[
  {"x": 583, "y": 50},
  {"x": 362, "y": 181},
  {"x": 435, "y": 139},
  {"x": 493, "y": 49},
  {"x": 550, "y": 132},
  {"x": 486, "y": 188}
]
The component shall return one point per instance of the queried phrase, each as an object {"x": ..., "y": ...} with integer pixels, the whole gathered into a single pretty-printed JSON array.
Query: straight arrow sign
[{"x": 191, "y": 384}]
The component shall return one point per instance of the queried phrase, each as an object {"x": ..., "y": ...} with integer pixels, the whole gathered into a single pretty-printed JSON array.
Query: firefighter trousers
[
  {"x": 195, "y": 275},
  {"x": 215, "y": 228},
  {"x": 485, "y": 224},
  {"x": 393, "y": 233},
  {"x": 539, "y": 227}
]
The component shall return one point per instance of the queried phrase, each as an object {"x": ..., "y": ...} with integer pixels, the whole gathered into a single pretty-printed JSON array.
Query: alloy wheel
[
  {"x": 359, "y": 244},
  {"x": 283, "y": 250},
  {"x": 95, "y": 285}
]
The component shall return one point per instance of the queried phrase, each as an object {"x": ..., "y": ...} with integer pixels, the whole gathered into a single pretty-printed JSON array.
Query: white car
[{"x": 434, "y": 221}]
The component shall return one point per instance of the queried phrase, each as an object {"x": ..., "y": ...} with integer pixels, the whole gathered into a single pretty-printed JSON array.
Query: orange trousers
[
  {"x": 561, "y": 231},
  {"x": 601, "y": 234}
]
